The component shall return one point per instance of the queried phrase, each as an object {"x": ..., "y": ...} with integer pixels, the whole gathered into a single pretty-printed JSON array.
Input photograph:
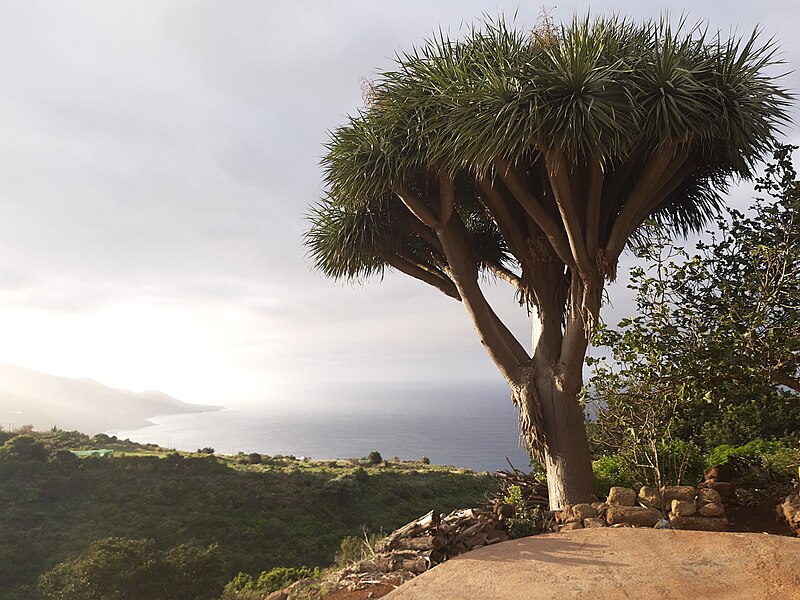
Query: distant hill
[{"x": 44, "y": 401}]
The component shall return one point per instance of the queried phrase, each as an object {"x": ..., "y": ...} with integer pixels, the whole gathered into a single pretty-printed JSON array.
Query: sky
[{"x": 157, "y": 160}]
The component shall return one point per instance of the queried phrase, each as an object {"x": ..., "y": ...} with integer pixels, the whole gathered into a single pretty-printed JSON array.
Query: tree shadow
[{"x": 553, "y": 548}]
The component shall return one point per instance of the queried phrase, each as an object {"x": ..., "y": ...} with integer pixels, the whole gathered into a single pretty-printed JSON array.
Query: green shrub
[
  {"x": 784, "y": 462},
  {"x": 341, "y": 487},
  {"x": 24, "y": 447},
  {"x": 527, "y": 519},
  {"x": 612, "y": 470},
  {"x": 681, "y": 463},
  {"x": 280, "y": 577},
  {"x": 374, "y": 458},
  {"x": 754, "y": 449},
  {"x": 241, "y": 587},
  {"x": 361, "y": 475},
  {"x": 125, "y": 569},
  {"x": 774, "y": 457},
  {"x": 354, "y": 549}
]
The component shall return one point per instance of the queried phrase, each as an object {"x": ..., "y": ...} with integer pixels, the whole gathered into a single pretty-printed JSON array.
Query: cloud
[{"x": 156, "y": 162}]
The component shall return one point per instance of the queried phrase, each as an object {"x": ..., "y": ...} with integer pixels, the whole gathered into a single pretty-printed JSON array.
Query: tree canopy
[
  {"x": 599, "y": 98},
  {"x": 534, "y": 157}
]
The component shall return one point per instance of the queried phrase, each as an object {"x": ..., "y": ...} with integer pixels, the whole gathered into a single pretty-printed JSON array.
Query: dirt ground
[{"x": 616, "y": 563}]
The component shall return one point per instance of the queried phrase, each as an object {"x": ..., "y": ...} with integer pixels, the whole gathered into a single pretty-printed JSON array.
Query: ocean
[{"x": 464, "y": 425}]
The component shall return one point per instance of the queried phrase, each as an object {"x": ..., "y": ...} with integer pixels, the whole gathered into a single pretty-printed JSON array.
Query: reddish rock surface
[{"x": 614, "y": 563}]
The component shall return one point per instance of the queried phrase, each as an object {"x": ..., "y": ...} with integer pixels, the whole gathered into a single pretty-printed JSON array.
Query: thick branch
[
  {"x": 642, "y": 194},
  {"x": 593, "y": 204},
  {"x": 674, "y": 175},
  {"x": 416, "y": 271},
  {"x": 447, "y": 197},
  {"x": 677, "y": 179},
  {"x": 534, "y": 208},
  {"x": 576, "y": 336},
  {"x": 562, "y": 190},
  {"x": 506, "y": 275},
  {"x": 505, "y": 221},
  {"x": 417, "y": 207},
  {"x": 504, "y": 349},
  {"x": 422, "y": 230},
  {"x": 550, "y": 289}
]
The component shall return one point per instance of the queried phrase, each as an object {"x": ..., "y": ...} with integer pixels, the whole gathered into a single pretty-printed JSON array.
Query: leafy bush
[
  {"x": 361, "y": 475},
  {"x": 241, "y": 587},
  {"x": 527, "y": 519},
  {"x": 774, "y": 457},
  {"x": 244, "y": 587},
  {"x": 273, "y": 515},
  {"x": 374, "y": 458},
  {"x": 280, "y": 577},
  {"x": 24, "y": 447},
  {"x": 610, "y": 471},
  {"x": 341, "y": 487},
  {"x": 751, "y": 450},
  {"x": 354, "y": 549},
  {"x": 784, "y": 462},
  {"x": 125, "y": 569}
]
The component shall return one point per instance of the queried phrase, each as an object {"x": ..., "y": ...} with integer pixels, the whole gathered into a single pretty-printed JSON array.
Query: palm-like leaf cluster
[{"x": 598, "y": 91}]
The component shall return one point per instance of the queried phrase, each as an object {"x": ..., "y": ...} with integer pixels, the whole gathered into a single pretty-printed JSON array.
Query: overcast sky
[{"x": 156, "y": 163}]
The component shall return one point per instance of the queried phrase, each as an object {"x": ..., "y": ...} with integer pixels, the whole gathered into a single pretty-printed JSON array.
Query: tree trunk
[
  {"x": 554, "y": 428},
  {"x": 551, "y": 419},
  {"x": 570, "y": 479}
]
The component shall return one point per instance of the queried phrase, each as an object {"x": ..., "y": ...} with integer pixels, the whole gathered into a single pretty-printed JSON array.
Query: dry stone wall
[{"x": 671, "y": 507}]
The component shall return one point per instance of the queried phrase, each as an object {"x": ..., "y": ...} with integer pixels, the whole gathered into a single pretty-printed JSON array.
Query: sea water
[{"x": 465, "y": 425}]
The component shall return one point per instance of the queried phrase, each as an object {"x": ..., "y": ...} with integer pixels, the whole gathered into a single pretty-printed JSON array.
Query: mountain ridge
[{"x": 29, "y": 397}]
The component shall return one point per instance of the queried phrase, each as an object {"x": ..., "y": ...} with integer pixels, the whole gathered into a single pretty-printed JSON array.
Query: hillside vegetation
[{"x": 263, "y": 512}]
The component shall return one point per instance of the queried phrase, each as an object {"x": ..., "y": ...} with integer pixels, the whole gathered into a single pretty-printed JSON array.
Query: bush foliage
[{"x": 280, "y": 513}]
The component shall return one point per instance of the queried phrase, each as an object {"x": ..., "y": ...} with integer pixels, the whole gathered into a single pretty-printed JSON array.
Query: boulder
[
  {"x": 678, "y": 492},
  {"x": 724, "y": 488},
  {"x": 791, "y": 510},
  {"x": 650, "y": 497},
  {"x": 722, "y": 473},
  {"x": 683, "y": 508},
  {"x": 638, "y": 516},
  {"x": 584, "y": 511},
  {"x": 699, "y": 523},
  {"x": 712, "y": 509},
  {"x": 565, "y": 514},
  {"x": 708, "y": 496},
  {"x": 589, "y": 523},
  {"x": 622, "y": 496}
]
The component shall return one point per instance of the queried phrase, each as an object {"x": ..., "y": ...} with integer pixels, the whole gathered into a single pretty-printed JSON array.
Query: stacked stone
[
  {"x": 719, "y": 480},
  {"x": 791, "y": 511},
  {"x": 692, "y": 508},
  {"x": 683, "y": 507}
]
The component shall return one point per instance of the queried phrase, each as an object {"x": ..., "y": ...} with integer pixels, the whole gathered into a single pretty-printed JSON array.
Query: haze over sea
[{"x": 465, "y": 425}]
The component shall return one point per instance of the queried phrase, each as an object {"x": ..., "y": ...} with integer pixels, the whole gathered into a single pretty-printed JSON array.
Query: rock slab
[{"x": 638, "y": 516}]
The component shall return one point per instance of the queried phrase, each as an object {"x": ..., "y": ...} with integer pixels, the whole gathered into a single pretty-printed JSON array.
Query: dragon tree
[{"x": 534, "y": 158}]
